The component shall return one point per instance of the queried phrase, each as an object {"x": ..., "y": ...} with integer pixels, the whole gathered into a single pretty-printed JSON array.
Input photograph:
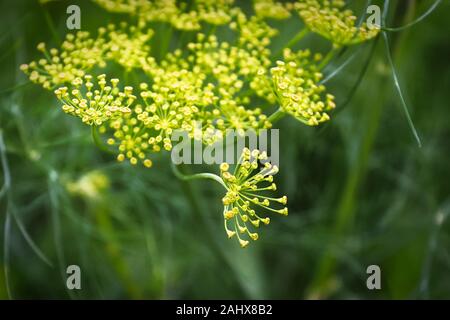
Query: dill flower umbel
[
  {"x": 241, "y": 119},
  {"x": 245, "y": 195},
  {"x": 90, "y": 185},
  {"x": 180, "y": 15},
  {"x": 217, "y": 84},
  {"x": 132, "y": 139},
  {"x": 95, "y": 104},
  {"x": 296, "y": 83},
  {"x": 128, "y": 45},
  {"x": 254, "y": 32},
  {"x": 332, "y": 21},
  {"x": 78, "y": 54},
  {"x": 272, "y": 9},
  {"x": 168, "y": 107}
]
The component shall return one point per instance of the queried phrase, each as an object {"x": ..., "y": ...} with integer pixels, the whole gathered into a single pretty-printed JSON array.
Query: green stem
[
  {"x": 328, "y": 57},
  {"x": 399, "y": 90},
  {"x": 321, "y": 284},
  {"x": 225, "y": 257},
  {"x": 299, "y": 36},
  {"x": 277, "y": 115},
  {"x": 165, "y": 42},
  {"x": 16, "y": 87},
  {"x": 98, "y": 142},
  {"x": 113, "y": 249},
  {"x": 360, "y": 77},
  {"x": 51, "y": 25},
  {"x": 416, "y": 21},
  {"x": 205, "y": 175}
]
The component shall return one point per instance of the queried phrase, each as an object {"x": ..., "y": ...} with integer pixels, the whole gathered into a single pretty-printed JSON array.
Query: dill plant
[{"x": 237, "y": 84}]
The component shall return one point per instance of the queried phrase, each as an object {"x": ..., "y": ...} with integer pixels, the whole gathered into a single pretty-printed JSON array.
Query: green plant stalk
[
  {"x": 299, "y": 36},
  {"x": 55, "y": 210},
  {"x": 400, "y": 93},
  {"x": 3, "y": 293},
  {"x": 330, "y": 55},
  {"x": 276, "y": 116},
  {"x": 6, "y": 255},
  {"x": 416, "y": 21},
  {"x": 205, "y": 175},
  {"x": 167, "y": 37},
  {"x": 98, "y": 142},
  {"x": 51, "y": 25},
  {"x": 345, "y": 214},
  {"x": 113, "y": 250},
  {"x": 227, "y": 258}
]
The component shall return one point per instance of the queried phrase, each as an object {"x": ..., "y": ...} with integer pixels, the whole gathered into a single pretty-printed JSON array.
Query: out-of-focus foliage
[{"x": 361, "y": 191}]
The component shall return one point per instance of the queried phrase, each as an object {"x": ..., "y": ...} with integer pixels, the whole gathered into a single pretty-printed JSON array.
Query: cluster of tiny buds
[
  {"x": 95, "y": 103},
  {"x": 331, "y": 20},
  {"x": 299, "y": 94},
  {"x": 180, "y": 16}
]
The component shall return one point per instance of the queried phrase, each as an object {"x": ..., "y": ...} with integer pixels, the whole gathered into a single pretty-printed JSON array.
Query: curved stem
[
  {"x": 277, "y": 115},
  {"x": 18, "y": 86},
  {"x": 399, "y": 90},
  {"x": 347, "y": 208},
  {"x": 328, "y": 57},
  {"x": 361, "y": 75},
  {"x": 299, "y": 36},
  {"x": 98, "y": 142},
  {"x": 165, "y": 44},
  {"x": 204, "y": 175},
  {"x": 340, "y": 67},
  {"x": 412, "y": 23}
]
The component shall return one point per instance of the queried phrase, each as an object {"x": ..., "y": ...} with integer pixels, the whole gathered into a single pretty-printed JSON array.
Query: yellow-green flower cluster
[
  {"x": 215, "y": 12},
  {"x": 246, "y": 187},
  {"x": 132, "y": 139},
  {"x": 205, "y": 87},
  {"x": 208, "y": 84},
  {"x": 296, "y": 84},
  {"x": 333, "y": 21},
  {"x": 230, "y": 66},
  {"x": 254, "y": 33},
  {"x": 123, "y": 6},
  {"x": 89, "y": 186},
  {"x": 272, "y": 9},
  {"x": 128, "y": 45},
  {"x": 164, "y": 107},
  {"x": 213, "y": 77},
  {"x": 179, "y": 14},
  {"x": 175, "y": 101},
  {"x": 240, "y": 119},
  {"x": 95, "y": 103},
  {"x": 171, "y": 105},
  {"x": 80, "y": 53}
]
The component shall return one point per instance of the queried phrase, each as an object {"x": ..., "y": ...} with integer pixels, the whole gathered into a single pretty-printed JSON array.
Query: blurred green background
[{"x": 360, "y": 190}]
